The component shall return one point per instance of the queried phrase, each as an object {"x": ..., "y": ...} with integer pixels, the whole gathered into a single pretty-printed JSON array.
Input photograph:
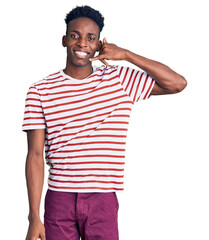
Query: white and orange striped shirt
[{"x": 86, "y": 123}]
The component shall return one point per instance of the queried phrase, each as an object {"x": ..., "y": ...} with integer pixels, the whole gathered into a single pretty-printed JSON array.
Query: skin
[
  {"x": 35, "y": 177},
  {"x": 83, "y": 36},
  {"x": 167, "y": 80}
]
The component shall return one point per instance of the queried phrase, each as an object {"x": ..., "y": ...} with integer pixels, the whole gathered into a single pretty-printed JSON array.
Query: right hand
[
  {"x": 36, "y": 230},
  {"x": 110, "y": 51}
]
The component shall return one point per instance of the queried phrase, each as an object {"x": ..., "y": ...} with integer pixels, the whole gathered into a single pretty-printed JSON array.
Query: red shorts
[{"x": 91, "y": 216}]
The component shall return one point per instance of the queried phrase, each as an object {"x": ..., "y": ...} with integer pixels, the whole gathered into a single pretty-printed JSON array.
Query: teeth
[{"x": 81, "y": 54}]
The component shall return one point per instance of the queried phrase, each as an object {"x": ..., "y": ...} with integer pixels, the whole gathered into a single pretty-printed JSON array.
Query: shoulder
[{"x": 48, "y": 80}]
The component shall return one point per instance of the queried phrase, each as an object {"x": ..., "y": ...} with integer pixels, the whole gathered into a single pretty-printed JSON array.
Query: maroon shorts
[{"x": 91, "y": 216}]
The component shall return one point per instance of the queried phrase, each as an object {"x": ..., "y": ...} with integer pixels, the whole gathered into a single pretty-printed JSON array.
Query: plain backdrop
[{"x": 166, "y": 172}]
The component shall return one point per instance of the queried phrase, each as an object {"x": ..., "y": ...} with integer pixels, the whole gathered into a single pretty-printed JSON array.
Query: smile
[{"x": 80, "y": 54}]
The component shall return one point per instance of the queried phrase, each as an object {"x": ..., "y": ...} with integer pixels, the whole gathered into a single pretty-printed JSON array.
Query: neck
[{"x": 78, "y": 72}]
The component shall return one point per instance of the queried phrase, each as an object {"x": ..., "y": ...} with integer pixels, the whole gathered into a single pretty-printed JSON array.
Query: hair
[{"x": 85, "y": 11}]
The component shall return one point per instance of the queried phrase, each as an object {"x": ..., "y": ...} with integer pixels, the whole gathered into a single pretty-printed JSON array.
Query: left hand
[{"x": 109, "y": 51}]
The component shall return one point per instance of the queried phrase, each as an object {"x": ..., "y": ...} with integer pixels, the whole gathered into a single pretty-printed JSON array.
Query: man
[{"x": 81, "y": 113}]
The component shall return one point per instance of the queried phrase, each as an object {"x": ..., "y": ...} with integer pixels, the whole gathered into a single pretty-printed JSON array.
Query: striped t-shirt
[{"x": 86, "y": 123}]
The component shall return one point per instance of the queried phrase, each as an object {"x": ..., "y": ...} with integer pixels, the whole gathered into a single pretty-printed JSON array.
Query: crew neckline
[{"x": 94, "y": 68}]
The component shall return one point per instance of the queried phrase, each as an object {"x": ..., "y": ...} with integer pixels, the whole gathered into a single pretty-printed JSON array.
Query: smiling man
[
  {"x": 82, "y": 41},
  {"x": 81, "y": 115}
]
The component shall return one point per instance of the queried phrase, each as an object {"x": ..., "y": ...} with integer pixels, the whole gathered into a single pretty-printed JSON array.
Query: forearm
[
  {"x": 163, "y": 75},
  {"x": 34, "y": 179}
]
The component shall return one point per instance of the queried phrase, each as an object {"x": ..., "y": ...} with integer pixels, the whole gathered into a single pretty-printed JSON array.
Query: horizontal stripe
[
  {"x": 74, "y": 163},
  {"x": 31, "y": 112},
  {"x": 97, "y": 109},
  {"x": 87, "y": 169},
  {"x": 93, "y": 156},
  {"x": 49, "y": 79},
  {"x": 85, "y": 130},
  {"x": 86, "y": 149},
  {"x": 32, "y": 99},
  {"x": 79, "y": 101},
  {"x": 79, "y": 114},
  {"x": 90, "y": 123},
  {"x": 73, "y": 91},
  {"x": 81, "y": 107},
  {"x": 90, "y": 181},
  {"x": 80, "y": 144},
  {"x": 28, "y": 118},
  {"x": 32, "y": 93},
  {"x": 31, "y": 105},
  {"x": 33, "y": 124},
  {"x": 88, "y": 119},
  {"x": 87, "y": 175}
]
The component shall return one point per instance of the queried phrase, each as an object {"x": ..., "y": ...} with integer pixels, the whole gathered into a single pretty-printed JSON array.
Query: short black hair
[{"x": 85, "y": 11}]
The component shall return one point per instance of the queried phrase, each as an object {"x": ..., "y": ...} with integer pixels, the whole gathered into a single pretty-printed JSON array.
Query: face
[{"x": 82, "y": 41}]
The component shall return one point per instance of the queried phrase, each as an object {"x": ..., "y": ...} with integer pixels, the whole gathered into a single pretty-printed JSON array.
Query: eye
[
  {"x": 74, "y": 35},
  {"x": 91, "y": 39}
]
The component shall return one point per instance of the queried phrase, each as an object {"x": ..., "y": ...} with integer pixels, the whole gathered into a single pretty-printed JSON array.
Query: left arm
[{"x": 167, "y": 81}]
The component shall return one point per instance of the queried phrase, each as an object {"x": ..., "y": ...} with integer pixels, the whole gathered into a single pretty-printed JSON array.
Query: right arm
[{"x": 35, "y": 178}]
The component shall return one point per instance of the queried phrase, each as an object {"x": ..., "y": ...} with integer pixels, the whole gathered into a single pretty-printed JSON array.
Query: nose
[{"x": 82, "y": 42}]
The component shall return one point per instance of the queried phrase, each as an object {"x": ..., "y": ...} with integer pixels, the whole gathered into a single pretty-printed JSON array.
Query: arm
[
  {"x": 167, "y": 80},
  {"x": 34, "y": 179}
]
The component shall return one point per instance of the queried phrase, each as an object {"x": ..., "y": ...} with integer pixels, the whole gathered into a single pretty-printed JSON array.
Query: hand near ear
[{"x": 109, "y": 51}]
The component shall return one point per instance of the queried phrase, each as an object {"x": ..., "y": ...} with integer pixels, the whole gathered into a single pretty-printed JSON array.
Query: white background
[{"x": 166, "y": 177}]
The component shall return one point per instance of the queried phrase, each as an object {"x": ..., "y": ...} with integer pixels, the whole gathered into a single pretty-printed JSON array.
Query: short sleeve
[
  {"x": 138, "y": 85},
  {"x": 33, "y": 115}
]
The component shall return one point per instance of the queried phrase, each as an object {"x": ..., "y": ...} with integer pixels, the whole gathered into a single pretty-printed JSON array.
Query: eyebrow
[{"x": 79, "y": 32}]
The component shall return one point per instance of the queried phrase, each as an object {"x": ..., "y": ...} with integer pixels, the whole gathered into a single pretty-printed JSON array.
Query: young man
[{"x": 81, "y": 113}]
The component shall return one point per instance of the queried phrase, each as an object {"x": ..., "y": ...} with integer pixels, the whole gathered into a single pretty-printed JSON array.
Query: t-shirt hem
[
  {"x": 149, "y": 95},
  {"x": 84, "y": 190},
  {"x": 24, "y": 129}
]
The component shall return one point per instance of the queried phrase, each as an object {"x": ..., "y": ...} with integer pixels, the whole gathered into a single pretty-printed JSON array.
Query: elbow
[
  {"x": 182, "y": 84},
  {"x": 179, "y": 84},
  {"x": 34, "y": 158}
]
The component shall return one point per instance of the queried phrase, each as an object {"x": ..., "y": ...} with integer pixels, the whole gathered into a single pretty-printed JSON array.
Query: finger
[
  {"x": 99, "y": 57},
  {"x": 104, "y": 40},
  {"x": 103, "y": 61},
  {"x": 93, "y": 59},
  {"x": 43, "y": 237}
]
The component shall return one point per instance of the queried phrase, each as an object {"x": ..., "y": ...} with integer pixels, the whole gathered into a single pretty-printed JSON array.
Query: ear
[
  {"x": 99, "y": 46},
  {"x": 64, "y": 41}
]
